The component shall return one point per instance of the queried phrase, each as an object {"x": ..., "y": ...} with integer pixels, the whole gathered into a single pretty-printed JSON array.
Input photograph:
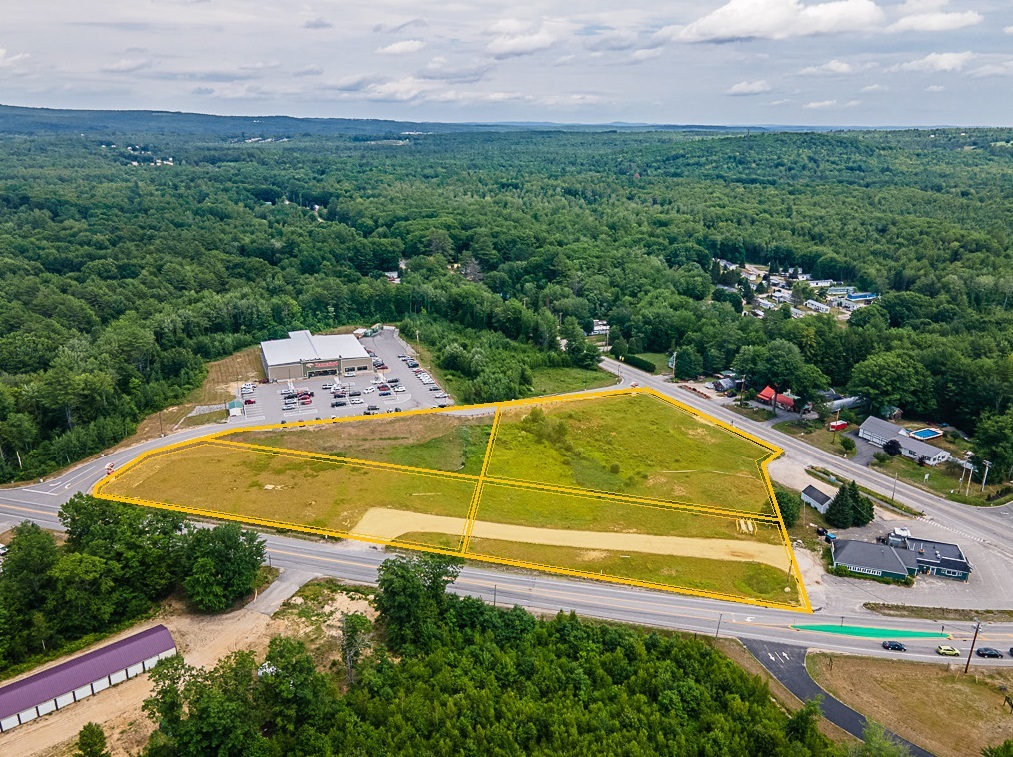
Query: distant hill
[{"x": 18, "y": 120}]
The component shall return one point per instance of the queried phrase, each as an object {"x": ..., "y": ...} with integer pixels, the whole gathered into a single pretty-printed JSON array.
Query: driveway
[{"x": 786, "y": 663}]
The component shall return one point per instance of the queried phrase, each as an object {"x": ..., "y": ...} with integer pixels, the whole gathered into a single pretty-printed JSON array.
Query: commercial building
[
  {"x": 879, "y": 432},
  {"x": 897, "y": 556},
  {"x": 304, "y": 355},
  {"x": 84, "y": 676}
]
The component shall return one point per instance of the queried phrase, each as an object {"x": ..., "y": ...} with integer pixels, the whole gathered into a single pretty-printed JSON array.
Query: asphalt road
[
  {"x": 787, "y": 664},
  {"x": 542, "y": 593}
]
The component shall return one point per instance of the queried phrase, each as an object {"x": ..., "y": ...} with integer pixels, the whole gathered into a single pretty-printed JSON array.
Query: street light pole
[
  {"x": 894, "y": 492},
  {"x": 988, "y": 464},
  {"x": 718, "y": 631}
]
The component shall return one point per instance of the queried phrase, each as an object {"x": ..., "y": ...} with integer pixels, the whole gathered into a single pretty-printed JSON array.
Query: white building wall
[
  {"x": 84, "y": 691},
  {"x": 135, "y": 670},
  {"x": 27, "y": 715},
  {"x": 118, "y": 677},
  {"x": 47, "y": 707},
  {"x": 7, "y": 723},
  {"x": 100, "y": 685},
  {"x": 65, "y": 699}
]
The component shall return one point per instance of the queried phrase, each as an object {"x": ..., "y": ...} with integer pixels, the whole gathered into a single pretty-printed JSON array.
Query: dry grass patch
[
  {"x": 296, "y": 491},
  {"x": 936, "y": 707},
  {"x": 438, "y": 441}
]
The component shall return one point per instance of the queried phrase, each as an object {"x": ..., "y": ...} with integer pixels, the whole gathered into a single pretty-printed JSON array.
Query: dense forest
[
  {"x": 118, "y": 560},
  {"x": 122, "y": 272},
  {"x": 453, "y": 676}
]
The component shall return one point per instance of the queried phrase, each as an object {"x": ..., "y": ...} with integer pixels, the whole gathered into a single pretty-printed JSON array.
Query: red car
[
  {"x": 306, "y": 401},
  {"x": 249, "y": 402}
]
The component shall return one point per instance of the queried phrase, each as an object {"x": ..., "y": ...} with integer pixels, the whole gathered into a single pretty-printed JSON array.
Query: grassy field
[
  {"x": 820, "y": 437},
  {"x": 563, "y": 380},
  {"x": 738, "y": 579},
  {"x": 946, "y": 712},
  {"x": 276, "y": 487},
  {"x": 525, "y": 507},
  {"x": 439, "y": 441},
  {"x": 636, "y": 445},
  {"x": 757, "y": 414},
  {"x": 660, "y": 360},
  {"x": 943, "y": 479}
]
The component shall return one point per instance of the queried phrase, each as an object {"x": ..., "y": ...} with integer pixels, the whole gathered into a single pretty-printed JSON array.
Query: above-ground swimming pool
[{"x": 925, "y": 434}]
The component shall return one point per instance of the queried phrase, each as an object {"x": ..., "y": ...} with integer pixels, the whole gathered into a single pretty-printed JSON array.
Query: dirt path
[
  {"x": 201, "y": 640},
  {"x": 389, "y": 524}
]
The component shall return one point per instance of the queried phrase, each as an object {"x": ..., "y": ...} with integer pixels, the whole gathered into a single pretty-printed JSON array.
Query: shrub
[
  {"x": 881, "y": 457},
  {"x": 847, "y": 444},
  {"x": 639, "y": 362}
]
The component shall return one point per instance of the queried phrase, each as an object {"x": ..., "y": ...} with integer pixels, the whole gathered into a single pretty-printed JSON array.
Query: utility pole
[
  {"x": 988, "y": 464},
  {"x": 835, "y": 425},
  {"x": 718, "y": 631},
  {"x": 977, "y": 627},
  {"x": 894, "y": 492}
]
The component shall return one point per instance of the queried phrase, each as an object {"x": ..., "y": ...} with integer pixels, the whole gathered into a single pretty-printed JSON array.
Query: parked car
[
  {"x": 382, "y": 367},
  {"x": 328, "y": 385},
  {"x": 306, "y": 401},
  {"x": 3, "y": 550},
  {"x": 435, "y": 389},
  {"x": 338, "y": 403},
  {"x": 385, "y": 394},
  {"x": 372, "y": 407},
  {"x": 355, "y": 393},
  {"x": 340, "y": 395},
  {"x": 947, "y": 651},
  {"x": 442, "y": 396},
  {"x": 400, "y": 389},
  {"x": 896, "y": 646},
  {"x": 369, "y": 390},
  {"x": 356, "y": 402},
  {"x": 397, "y": 410},
  {"x": 249, "y": 402},
  {"x": 394, "y": 380},
  {"x": 989, "y": 652}
]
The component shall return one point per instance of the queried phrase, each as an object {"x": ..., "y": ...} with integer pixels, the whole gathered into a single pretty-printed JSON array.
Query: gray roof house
[
  {"x": 873, "y": 559},
  {"x": 879, "y": 432},
  {"x": 73, "y": 680},
  {"x": 817, "y": 499}
]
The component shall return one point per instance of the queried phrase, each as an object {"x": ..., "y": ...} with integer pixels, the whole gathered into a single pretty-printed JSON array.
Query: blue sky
[{"x": 843, "y": 62}]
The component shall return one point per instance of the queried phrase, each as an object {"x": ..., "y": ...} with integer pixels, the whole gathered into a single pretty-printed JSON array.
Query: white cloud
[
  {"x": 127, "y": 66},
  {"x": 402, "y": 47},
  {"x": 1008, "y": 30},
  {"x": 830, "y": 67},
  {"x": 935, "y": 88},
  {"x": 938, "y": 62},
  {"x": 515, "y": 44},
  {"x": 401, "y": 26},
  {"x": 872, "y": 88},
  {"x": 749, "y": 88},
  {"x": 311, "y": 70},
  {"x": 997, "y": 67},
  {"x": 10, "y": 60},
  {"x": 820, "y": 104},
  {"x": 785, "y": 101},
  {"x": 936, "y": 22},
  {"x": 779, "y": 19},
  {"x": 638, "y": 56},
  {"x": 398, "y": 90},
  {"x": 317, "y": 23}
]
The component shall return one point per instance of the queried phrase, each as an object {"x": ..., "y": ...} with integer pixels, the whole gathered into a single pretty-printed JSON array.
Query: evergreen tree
[
  {"x": 840, "y": 513},
  {"x": 861, "y": 506}
]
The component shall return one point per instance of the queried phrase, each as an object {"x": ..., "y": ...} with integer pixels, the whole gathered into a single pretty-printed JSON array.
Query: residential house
[
  {"x": 816, "y": 499},
  {"x": 821, "y": 283},
  {"x": 767, "y": 304},
  {"x": 782, "y": 295},
  {"x": 839, "y": 291},
  {"x": 818, "y": 306},
  {"x": 861, "y": 297},
  {"x": 878, "y": 432}
]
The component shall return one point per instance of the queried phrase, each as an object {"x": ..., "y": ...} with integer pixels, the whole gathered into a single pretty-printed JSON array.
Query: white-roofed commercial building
[{"x": 304, "y": 355}]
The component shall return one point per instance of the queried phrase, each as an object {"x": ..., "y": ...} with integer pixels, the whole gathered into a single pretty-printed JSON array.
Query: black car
[
  {"x": 372, "y": 407},
  {"x": 290, "y": 396},
  {"x": 435, "y": 389},
  {"x": 896, "y": 646},
  {"x": 989, "y": 652},
  {"x": 355, "y": 394},
  {"x": 339, "y": 403},
  {"x": 394, "y": 381}
]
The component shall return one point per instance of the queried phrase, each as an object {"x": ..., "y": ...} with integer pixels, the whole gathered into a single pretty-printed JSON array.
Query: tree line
[{"x": 116, "y": 562}]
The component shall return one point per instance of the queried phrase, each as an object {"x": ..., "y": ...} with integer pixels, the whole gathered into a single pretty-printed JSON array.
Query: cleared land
[
  {"x": 438, "y": 441},
  {"x": 296, "y": 491},
  {"x": 945, "y": 711},
  {"x": 636, "y": 445},
  {"x": 582, "y": 486}
]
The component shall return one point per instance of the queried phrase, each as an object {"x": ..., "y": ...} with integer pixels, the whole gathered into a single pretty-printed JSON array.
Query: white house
[
  {"x": 819, "y": 307},
  {"x": 879, "y": 432}
]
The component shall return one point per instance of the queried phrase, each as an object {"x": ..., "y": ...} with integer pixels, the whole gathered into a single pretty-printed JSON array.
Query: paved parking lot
[{"x": 268, "y": 398}]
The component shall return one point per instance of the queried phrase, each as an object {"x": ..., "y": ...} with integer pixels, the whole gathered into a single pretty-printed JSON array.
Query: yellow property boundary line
[{"x": 496, "y": 409}]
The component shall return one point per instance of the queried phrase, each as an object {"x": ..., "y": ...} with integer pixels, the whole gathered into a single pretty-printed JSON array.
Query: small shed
[
  {"x": 235, "y": 408},
  {"x": 71, "y": 681},
  {"x": 816, "y": 499}
]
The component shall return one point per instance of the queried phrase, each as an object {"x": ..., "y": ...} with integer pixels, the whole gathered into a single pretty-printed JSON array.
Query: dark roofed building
[
  {"x": 72, "y": 681},
  {"x": 817, "y": 499},
  {"x": 873, "y": 559}
]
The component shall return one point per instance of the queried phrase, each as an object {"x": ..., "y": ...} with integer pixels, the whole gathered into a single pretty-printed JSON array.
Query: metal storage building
[
  {"x": 72, "y": 681},
  {"x": 304, "y": 355}
]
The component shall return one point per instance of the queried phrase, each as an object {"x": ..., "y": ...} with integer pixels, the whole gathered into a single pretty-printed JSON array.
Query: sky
[{"x": 811, "y": 62}]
